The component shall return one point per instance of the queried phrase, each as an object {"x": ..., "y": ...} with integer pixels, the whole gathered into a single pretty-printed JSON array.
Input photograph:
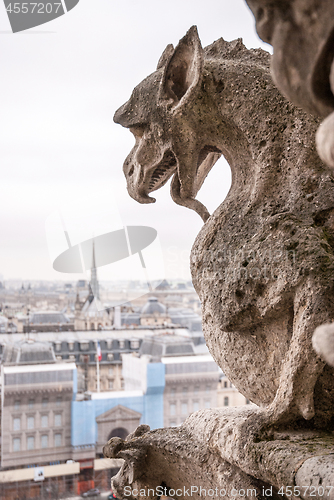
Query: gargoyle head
[
  {"x": 302, "y": 35},
  {"x": 165, "y": 115}
]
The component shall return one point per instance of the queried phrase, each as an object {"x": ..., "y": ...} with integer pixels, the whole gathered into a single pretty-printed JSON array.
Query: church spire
[{"x": 94, "y": 284}]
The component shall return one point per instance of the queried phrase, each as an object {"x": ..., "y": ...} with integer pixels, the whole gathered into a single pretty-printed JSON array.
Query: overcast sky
[{"x": 60, "y": 86}]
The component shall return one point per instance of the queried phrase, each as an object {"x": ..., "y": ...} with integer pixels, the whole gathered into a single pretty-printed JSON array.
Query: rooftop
[
  {"x": 28, "y": 352},
  {"x": 166, "y": 345}
]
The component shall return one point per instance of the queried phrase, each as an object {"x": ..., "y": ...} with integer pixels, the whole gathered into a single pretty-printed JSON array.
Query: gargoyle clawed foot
[{"x": 132, "y": 451}]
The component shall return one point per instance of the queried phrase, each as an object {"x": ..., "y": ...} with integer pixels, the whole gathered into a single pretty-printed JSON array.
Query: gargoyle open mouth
[{"x": 163, "y": 171}]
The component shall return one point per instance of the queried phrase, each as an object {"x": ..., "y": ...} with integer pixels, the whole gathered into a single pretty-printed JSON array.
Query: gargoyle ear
[
  {"x": 165, "y": 55},
  {"x": 183, "y": 71}
]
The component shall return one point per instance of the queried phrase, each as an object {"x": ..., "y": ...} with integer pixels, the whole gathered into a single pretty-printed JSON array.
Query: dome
[{"x": 152, "y": 306}]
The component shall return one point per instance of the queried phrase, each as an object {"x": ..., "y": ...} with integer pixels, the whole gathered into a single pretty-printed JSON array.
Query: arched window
[{"x": 118, "y": 432}]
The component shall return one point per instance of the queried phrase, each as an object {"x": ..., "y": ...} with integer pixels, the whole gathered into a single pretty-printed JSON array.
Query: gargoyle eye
[{"x": 137, "y": 130}]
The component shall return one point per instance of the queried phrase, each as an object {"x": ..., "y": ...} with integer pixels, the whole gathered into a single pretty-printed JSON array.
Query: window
[
  {"x": 70, "y": 346},
  {"x": 196, "y": 389},
  {"x": 121, "y": 344},
  {"x": 59, "y": 400},
  {"x": 184, "y": 390},
  {"x": 225, "y": 384},
  {"x": 31, "y": 403},
  {"x": 184, "y": 408},
  {"x": 57, "y": 419},
  {"x": 31, "y": 422},
  {"x": 45, "y": 421},
  {"x": 16, "y": 424},
  {"x": 110, "y": 385},
  {"x": 111, "y": 371},
  {"x": 134, "y": 344},
  {"x": 58, "y": 346},
  {"x": 45, "y": 402},
  {"x": 57, "y": 440},
  {"x": 172, "y": 423},
  {"x": 172, "y": 409},
  {"x": 226, "y": 402},
  {"x": 208, "y": 388},
  {"x": 247, "y": 402},
  {"x": 84, "y": 346},
  {"x": 17, "y": 444},
  {"x": 44, "y": 441},
  {"x": 207, "y": 403},
  {"x": 195, "y": 405},
  {"x": 30, "y": 443},
  {"x": 173, "y": 391},
  {"x": 17, "y": 404}
]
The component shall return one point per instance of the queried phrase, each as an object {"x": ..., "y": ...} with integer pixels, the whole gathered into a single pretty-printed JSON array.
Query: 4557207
[
  {"x": 310, "y": 491},
  {"x": 33, "y": 7}
]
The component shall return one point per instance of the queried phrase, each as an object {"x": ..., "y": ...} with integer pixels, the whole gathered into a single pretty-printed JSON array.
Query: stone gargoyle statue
[{"x": 263, "y": 262}]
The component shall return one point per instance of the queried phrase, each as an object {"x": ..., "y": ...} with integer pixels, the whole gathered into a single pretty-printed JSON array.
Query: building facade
[
  {"x": 191, "y": 385},
  {"x": 37, "y": 394},
  {"x": 191, "y": 376}
]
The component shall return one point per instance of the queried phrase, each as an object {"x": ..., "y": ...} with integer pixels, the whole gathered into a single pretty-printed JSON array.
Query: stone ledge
[{"x": 218, "y": 448}]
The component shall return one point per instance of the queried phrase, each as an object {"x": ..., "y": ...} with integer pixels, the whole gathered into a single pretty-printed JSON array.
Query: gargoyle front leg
[{"x": 301, "y": 368}]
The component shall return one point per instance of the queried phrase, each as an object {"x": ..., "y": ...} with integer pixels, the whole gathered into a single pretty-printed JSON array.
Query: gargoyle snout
[
  {"x": 120, "y": 115},
  {"x": 126, "y": 115}
]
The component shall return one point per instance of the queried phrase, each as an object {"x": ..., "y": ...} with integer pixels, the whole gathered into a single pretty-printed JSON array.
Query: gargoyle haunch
[{"x": 263, "y": 262}]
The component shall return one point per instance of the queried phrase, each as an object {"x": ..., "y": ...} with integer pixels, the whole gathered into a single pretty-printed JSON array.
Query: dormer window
[{"x": 84, "y": 346}]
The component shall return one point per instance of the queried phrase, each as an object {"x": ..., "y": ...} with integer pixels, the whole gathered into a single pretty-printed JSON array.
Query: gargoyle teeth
[{"x": 166, "y": 165}]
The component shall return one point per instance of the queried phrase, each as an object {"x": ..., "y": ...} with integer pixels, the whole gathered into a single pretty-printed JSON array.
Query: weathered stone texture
[
  {"x": 302, "y": 34},
  {"x": 215, "y": 449},
  {"x": 262, "y": 264}
]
